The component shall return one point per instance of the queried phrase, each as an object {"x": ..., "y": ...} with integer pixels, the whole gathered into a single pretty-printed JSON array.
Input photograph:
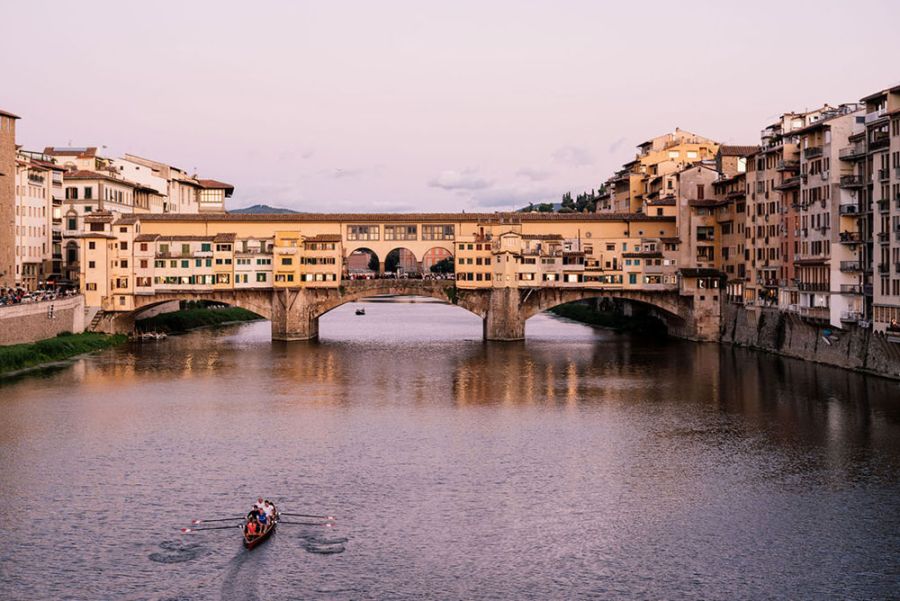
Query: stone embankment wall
[
  {"x": 786, "y": 334},
  {"x": 30, "y": 322}
]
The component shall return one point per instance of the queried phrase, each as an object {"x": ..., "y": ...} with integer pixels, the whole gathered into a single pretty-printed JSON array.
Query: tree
[
  {"x": 545, "y": 207},
  {"x": 444, "y": 266},
  {"x": 373, "y": 262},
  {"x": 392, "y": 261},
  {"x": 567, "y": 201}
]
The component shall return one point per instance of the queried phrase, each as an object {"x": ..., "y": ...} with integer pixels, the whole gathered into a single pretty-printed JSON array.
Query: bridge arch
[
  {"x": 435, "y": 255},
  {"x": 355, "y": 263},
  {"x": 401, "y": 257}
]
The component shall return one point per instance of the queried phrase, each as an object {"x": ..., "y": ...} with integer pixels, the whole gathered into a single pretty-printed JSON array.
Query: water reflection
[{"x": 578, "y": 463}]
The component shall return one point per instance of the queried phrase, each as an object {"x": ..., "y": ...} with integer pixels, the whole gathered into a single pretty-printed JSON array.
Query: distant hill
[{"x": 261, "y": 209}]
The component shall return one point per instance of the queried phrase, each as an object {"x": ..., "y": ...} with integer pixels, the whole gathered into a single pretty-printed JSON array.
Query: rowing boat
[{"x": 251, "y": 540}]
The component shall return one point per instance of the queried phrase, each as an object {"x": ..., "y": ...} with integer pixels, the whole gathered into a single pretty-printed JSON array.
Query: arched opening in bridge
[
  {"x": 362, "y": 263},
  {"x": 619, "y": 314},
  {"x": 437, "y": 261},
  {"x": 401, "y": 261},
  {"x": 176, "y": 316}
]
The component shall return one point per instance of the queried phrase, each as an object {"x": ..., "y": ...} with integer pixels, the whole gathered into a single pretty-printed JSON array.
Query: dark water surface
[{"x": 580, "y": 464}]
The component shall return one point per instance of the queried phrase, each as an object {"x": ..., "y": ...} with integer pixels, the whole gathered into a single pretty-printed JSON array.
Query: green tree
[
  {"x": 567, "y": 201},
  {"x": 444, "y": 266},
  {"x": 373, "y": 262},
  {"x": 545, "y": 207}
]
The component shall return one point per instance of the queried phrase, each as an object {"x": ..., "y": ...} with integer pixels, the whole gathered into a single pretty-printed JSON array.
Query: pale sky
[{"x": 425, "y": 106}]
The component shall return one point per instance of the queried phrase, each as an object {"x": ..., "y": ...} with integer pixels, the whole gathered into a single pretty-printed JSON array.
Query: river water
[{"x": 578, "y": 464}]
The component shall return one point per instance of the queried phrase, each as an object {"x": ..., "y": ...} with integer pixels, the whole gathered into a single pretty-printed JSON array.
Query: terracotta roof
[
  {"x": 225, "y": 237},
  {"x": 84, "y": 174},
  {"x": 211, "y": 184},
  {"x": 668, "y": 201},
  {"x": 541, "y": 237},
  {"x": 324, "y": 238},
  {"x": 145, "y": 237},
  {"x": 737, "y": 151},
  {"x": 185, "y": 238},
  {"x": 10, "y": 115},
  {"x": 86, "y": 152},
  {"x": 670, "y": 240},
  {"x": 98, "y": 217},
  {"x": 707, "y": 202}
]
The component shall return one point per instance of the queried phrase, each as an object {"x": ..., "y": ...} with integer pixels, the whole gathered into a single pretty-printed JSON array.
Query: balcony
[
  {"x": 883, "y": 206},
  {"x": 879, "y": 142},
  {"x": 850, "y": 238},
  {"x": 788, "y": 183},
  {"x": 815, "y": 313},
  {"x": 787, "y": 165},
  {"x": 812, "y": 286},
  {"x": 812, "y": 152},
  {"x": 851, "y": 289},
  {"x": 849, "y": 209},
  {"x": 850, "y": 153},
  {"x": 851, "y": 316},
  {"x": 876, "y": 115},
  {"x": 851, "y": 266},
  {"x": 851, "y": 181},
  {"x": 884, "y": 174}
]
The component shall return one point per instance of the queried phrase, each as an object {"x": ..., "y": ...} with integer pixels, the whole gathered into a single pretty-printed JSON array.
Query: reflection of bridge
[{"x": 295, "y": 312}]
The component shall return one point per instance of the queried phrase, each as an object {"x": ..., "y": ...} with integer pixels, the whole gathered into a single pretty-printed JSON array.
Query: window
[
  {"x": 92, "y": 245},
  {"x": 400, "y": 232},
  {"x": 71, "y": 223},
  {"x": 185, "y": 264},
  {"x": 144, "y": 263},
  {"x": 206, "y": 247},
  {"x": 123, "y": 245},
  {"x": 261, "y": 277},
  {"x": 287, "y": 261},
  {"x": 91, "y": 264},
  {"x": 88, "y": 192},
  {"x": 124, "y": 263},
  {"x": 223, "y": 247},
  {"x": 185, "y": 249},
  {"x": 362, "y": 232},
  {"x": 90, "y": 286},
  {"x": 437, "y": 232},
  {"x": 143, "y": 246},
  {"x": 72, "y": 194}
]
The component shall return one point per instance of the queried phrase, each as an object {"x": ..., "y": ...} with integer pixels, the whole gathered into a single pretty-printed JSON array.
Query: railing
[
  {"x": 879, "y": 143},
  {"x": 815, "y": 312},
  {"x": 851, "y": 316},
  {"x": 849, "y": 209},
  {"x": 812, "y": 286},
  {"x": 875, "y": 115},
  {"x": 851, "y": 266},
  {"x": 851, "y": 181},
  {"x": 851, "y": 289},
  {"x": 786, "y": 165},
  {"x": 789, "y": 182},
  {"x": 850, "y": 237},
  {"x": 812, "y": 152},
  {"x": 852, "y": 152}
]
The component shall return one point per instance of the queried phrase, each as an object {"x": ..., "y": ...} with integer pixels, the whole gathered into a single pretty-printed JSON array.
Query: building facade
[{"x": 7, "y": 199}]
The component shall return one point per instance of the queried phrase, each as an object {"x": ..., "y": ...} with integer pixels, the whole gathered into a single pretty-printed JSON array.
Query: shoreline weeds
[{"x": 17, "y": 359}]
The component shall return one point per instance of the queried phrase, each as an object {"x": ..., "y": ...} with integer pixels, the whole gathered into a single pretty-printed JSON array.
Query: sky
[{"x": 425, "y": 106}]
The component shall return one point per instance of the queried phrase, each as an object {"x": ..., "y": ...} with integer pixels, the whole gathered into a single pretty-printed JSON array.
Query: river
[{"x": 578, "y": 464}]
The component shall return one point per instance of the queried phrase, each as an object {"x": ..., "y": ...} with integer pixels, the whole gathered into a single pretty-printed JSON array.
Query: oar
[
  {"x": 326, "y": 524},
  {"x": 189, "y": 530},
  {"x": 307, "y": 515},
  {"x": 217, "y": 520}
]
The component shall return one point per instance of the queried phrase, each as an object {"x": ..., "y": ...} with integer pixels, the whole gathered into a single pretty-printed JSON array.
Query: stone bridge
[{"x": 295, "y": 312}]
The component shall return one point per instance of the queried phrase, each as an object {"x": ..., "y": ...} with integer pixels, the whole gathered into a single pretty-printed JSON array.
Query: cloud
[
  {"x": 468, "y": 179},
  {"x": 513, "y": 196},
  {"x": 616, "y": 145},
  {"x": 576, "y": 156},
  {"x": 535, "y": 175}
]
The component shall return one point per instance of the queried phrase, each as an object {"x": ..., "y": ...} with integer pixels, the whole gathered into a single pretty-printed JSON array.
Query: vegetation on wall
[
  {"x": 23, "y": 356},
  {"x": 194, "y": 317}
]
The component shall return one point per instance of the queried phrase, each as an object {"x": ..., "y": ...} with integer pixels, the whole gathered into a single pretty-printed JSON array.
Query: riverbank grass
[
  {"x": 16, "y": 357},
  {"x": 188, "y": 319}
]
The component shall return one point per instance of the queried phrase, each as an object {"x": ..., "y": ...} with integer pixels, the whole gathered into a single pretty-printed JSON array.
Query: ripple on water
[{"x": 176, "y": 552}]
